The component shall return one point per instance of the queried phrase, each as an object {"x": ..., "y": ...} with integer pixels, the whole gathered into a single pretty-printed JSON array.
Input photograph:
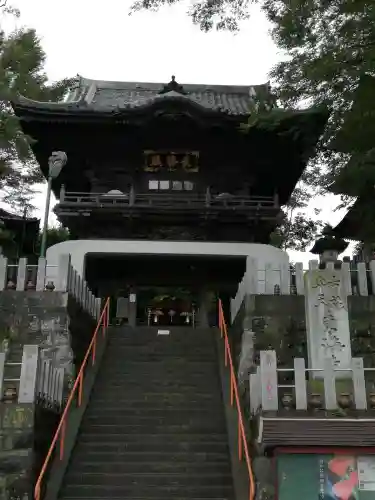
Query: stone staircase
[{"x": 155, "y": 425}]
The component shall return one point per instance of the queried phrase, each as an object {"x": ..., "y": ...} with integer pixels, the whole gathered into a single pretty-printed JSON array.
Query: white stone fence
[
  {"x": 330, "y": 389},
  {"x": 25, "y": 276},
  {"x": 50, "y": 385},
  {"x": 359, "y": 279},
  {"x": 39, "y": 380}
]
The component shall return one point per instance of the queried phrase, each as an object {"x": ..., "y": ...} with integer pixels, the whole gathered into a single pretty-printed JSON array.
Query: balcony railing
[{"x": 163, "y": 200}]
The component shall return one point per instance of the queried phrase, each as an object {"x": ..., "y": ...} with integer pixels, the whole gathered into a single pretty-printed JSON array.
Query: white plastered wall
[{"x": 78, "y": 249}]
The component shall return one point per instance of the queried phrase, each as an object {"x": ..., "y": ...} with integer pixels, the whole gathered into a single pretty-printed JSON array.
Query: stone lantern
[{"x": 328, "y": 247}]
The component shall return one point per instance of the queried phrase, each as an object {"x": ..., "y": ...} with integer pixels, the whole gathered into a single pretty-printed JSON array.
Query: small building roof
[
  {"x": 106, "y": 96},
  {"x": 5, "y": 215},
  {"x": 24, "y": 230},
  {"x": 358, "y": 224},
  {"x": 329, "y": 241}
]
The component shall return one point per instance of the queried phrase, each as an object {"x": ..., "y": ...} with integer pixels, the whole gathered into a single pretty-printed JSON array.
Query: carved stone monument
[{"x": 327, "y": 321}]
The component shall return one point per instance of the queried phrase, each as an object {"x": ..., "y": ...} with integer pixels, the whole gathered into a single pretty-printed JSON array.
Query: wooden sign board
[
  {"x": 171, "y": 161},
  {"x": 164, "y": 332}
]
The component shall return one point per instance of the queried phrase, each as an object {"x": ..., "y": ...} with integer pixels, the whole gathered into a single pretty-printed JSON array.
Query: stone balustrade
[
  {"x": 37, "y": 380},
  {"x": 358, "y": 278},
  {"x": 43, "y": 277},
  {"x": 273, "y": 388}
]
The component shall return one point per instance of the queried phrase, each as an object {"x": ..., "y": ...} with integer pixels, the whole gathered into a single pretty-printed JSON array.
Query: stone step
[
  {"x": 151, "y": 467},
  {"x": 159, "y": 426},
  {"x": 161, "y": 343},
  {"x": 207, "y": 378},
  {"x": 141, "y": 420},
  {"x": 178, "y": 358},
  {"x": 161, "y": 354},
  {"x": 155, "y": 425},
  {"x": 172, "y": 336},
  {"x": 141, "y": 480},
  {"x": 81, "y": 497},
  {"x": 183, "y": 371},
  {"x": 156, "y": 375},
  {"x": 172, "y": 339},
  {"x": 151, "y": 331},
  {"x": 161, "y": 386},
  {"x": 106, "y": 491},
  {"x": 170, "y": 351},
  {"x": 122, "y": 439},
  {"x": 124, "y": 396},
  {"x": 157, "y": 457},
  {"x": 117, "y": 415},
  {"x": 122, "y": 402},
  {"x": 168, "y": 447},
  {"x": 159, "y": 364}
]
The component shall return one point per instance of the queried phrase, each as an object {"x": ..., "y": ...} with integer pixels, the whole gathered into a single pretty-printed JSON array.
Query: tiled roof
[
  {"x": 4, "y": 215},
  {"x": 233, "y": 103},
  {"x": 111, "y": 96}
]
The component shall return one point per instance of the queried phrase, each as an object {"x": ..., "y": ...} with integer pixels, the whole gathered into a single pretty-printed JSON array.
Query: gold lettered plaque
[{"x": 171, "y": 161}]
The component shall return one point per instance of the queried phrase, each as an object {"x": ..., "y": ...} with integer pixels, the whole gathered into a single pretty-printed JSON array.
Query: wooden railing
[
  {"x": 183, "y": 200},
  {"x": 77, "y": 391},
  {"x": 234, "y": 398}
]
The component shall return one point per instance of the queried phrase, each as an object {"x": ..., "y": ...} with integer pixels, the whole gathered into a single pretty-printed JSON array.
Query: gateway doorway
[{"x": 166, "y": 306}]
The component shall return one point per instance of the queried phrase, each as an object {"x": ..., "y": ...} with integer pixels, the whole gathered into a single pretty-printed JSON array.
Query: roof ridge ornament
[{"x": 173, "y": 86}]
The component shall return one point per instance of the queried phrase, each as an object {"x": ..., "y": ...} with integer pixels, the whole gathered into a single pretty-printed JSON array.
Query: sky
[{"x": 101, "y": 41}]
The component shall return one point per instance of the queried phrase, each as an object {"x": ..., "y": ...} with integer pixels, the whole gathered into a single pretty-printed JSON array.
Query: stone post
[
  {"x": 17, "y": 426},
  {"x": 132, "y": 318},
  {"x": 203, "y": 308},
  {"x": 327, "y": 321}
]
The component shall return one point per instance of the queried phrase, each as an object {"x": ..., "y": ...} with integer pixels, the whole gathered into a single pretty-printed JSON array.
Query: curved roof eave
[
  {"x": 31, "y": 103},
  {"x": 82, "y": 107}
]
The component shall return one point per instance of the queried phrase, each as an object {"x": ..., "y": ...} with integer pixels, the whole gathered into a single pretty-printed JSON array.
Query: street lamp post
[{"x": 56, "y": 162}]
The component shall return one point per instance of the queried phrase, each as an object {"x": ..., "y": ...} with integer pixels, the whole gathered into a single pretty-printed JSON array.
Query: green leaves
[
  {"x": 296, "y": 232},
  {"x": 296, "y": 229},
  {"x": 21, "y": 73},
  {"x": 331, "y": 47},
  {"x": 207, "y": 14}
]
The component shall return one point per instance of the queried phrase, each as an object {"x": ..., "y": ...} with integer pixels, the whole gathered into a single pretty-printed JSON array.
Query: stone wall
[
  {"x": 362, "y": 328},
  {"x": 17, "y": 451},
  {"x": 52, "y": 320},
  {"x": 26, "y": 433},
  {"x": 278, "y": 323},
  {"x": 56, "y": 322}
]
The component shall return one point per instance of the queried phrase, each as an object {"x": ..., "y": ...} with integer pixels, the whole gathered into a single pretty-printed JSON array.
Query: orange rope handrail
[
  {"x": 242, "y": 443},
  {"x": 78, "y": 385}
]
